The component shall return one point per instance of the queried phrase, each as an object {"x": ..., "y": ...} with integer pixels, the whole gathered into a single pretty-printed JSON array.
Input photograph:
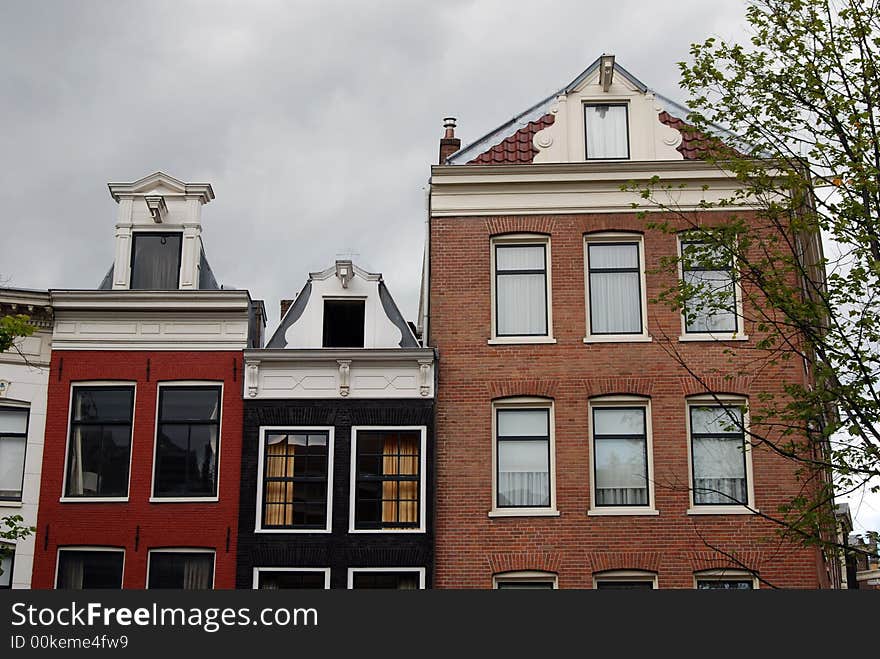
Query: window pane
[
  {"x": 519, "y": 257},
  {"x": 187, "y": 442},
  {"x": 102, "y": 405},
  {"x": 525, "y": 585},
  {"x": 79, "y": 570},
  {"x": 291, "y": 580},
  {"x": 719, "y": 471},
  {"x": 615, "y": 304},
  {"x": 620, "y": 472},
  {"x": 618, "y": 421},
  {"x": 6, "y": 567},
  {"x": 189, "y": 571},
  {"x": 624, "y": 585},
  {"x": 606, "y": 131},
  {"x": 155, "y": 262},
  {"x": 716, "y": 420},
  {"x": 386, "y": 580},
  {"x": 523, "y": 423},
  {"x": 388, "y": 483},
  {"x": 343, "y": 324},
  {"x": 613, "y": 256},
  {"x": 522, "y": 304},
  {"x": 11, "y": 467},
  {"x": 13, "y": 421},
  {"x": 183, "y": 404},
  {"x": 523, "y": 473},
  {"x": 98, "y": 461},
  {"x": 713, "y": 306}
]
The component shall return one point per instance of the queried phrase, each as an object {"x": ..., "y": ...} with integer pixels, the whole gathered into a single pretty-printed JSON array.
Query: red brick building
[
  {"x": 572, "y": 450},
  {"x": 141, "y": 464}
]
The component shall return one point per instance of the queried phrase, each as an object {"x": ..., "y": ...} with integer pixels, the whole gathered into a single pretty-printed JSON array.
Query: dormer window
[
  {"x": 344, "y": 323},
  {"x": 606, "y": 130},
  {"x": 155, "y": 261}
]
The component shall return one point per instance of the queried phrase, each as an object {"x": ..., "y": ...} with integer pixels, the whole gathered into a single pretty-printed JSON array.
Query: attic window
[
  {"x": 155, "y": 261},
  {"x": 607, "y": 134},
  {"x": 344, "y": 323}
]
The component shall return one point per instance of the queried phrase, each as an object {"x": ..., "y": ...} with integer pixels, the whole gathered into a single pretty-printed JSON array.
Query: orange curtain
[
  {"x": 279, "y": 495},
  {"x": 400, "y": 499}
]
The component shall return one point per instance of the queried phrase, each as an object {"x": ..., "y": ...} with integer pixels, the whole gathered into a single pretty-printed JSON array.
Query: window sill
[
  {"x": 11, "y": 504},
  {"x": 523, "y": 512},
  {"x": 618, "y": 338},
  {"x": 184, "y": 499},
  {"x": 288, "y": 531},
  {"x": 713, "y": 337},
  {"x": 93, "y": 500},
  {"x": 612, "y": 512},
  {"x": 721, "y": 510},
  {"x": 520, "y": 340},
  {"x": 419, "y": 530}
]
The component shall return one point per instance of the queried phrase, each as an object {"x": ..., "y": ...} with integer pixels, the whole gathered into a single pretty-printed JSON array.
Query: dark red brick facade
[
  {"x": 471, "y": 546},
  {"x": 139, "y": 525}
]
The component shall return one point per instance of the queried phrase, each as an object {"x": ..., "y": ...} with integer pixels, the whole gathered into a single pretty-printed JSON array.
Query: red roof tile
[
  {"x": 516, "y": 148},
  {"x": 694, "y": 144}
]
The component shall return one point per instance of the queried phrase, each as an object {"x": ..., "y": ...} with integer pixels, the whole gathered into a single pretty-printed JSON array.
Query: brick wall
[
  {"x": 470, "y": 546},
  {"x": 139, "y": 525}
]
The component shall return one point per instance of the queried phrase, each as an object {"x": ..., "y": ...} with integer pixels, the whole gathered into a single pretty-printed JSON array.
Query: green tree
[{"x": 794, "y": 116}]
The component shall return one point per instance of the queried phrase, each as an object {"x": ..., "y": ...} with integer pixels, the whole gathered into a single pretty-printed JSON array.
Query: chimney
[
  {"x": 449, "y": 144},
  {"x": 285, "y": 305}
]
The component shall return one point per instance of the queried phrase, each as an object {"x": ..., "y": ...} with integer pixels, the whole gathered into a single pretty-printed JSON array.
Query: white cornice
[
  {"x": 585, "y": 187},
  {"x": 145, "y": 185},
  {"x": 24, "y": 297},
  {"x": 156, "y": 301},
  {"x": 334, "y": 354}
]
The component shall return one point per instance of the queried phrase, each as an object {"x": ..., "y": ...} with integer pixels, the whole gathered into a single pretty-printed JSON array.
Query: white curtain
[
  {"x": 523, "y": 473},
  {"x": 719, "y": 470},
  {"x": 6, "y": 567},
  {"x": 522, "y": 297},
  {"x": 11, "y": 466},
  {"x": 72, "y": 572},
  {"x": 620, "y": 452},
  {"x": 606, "y": 131},
  {"x": 197, "y": 572},
  {"x": 713, "y": 307}
]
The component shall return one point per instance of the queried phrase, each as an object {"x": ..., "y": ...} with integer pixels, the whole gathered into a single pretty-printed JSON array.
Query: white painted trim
[
  {"x": 12, "y": 504},
  {"x": 726, "y": 574},
  {"x": 161, "y": 384},
  {"x": 67, "y": 300},
  {"x": 606, "y": 237},
  {"x": 625, "y": 575},
  {"x": 524, "y": 402},
  {"x": 353, "y": 570},
  {"x": 622, "y": 401},
  {"x": 120, "y": 550},
  {"x": 97, "y": 383},
  {"x": 525, "y": 575},
  {"x": 259, "y": 570},
  {"x": 331, "y": 443},
  {"x": 332, "y": 354},
  {"x": 423, "y": 478},
  {"x": 182, "y": 550},
  {"x": 737, "y": 291},
  {"x": 514, "y": 239},
  {"x": 714, "y": 400}
]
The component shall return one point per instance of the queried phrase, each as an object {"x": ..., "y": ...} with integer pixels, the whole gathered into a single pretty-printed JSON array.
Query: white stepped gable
[
  {"x": 649, "y": 138},
  {"x": 343, "y": 281},
  {"x": 159, "y": 203}
]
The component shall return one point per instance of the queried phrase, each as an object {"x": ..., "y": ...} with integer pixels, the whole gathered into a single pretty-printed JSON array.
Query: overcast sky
[{"x": 315, "y": 122}]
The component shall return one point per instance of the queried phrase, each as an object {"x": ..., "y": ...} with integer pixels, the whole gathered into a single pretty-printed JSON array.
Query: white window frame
[
  {"x": 331, "y": 442},
  {"x": 725, "y": 574},
  {"x": 353, "y": 570},
  {"x": 616, "y": 237},
  {"x": 185, "y": 383},
  {"x": 593, "y": 102},
  {"x": 423, "y": 430},
  {"x": 625, "y": 575},
  {"x": 716, "y": 400},
  {"x": 93, "y": 548},
  {"x": 740, "y": 334},
  {"x": 525, "y": 576},
  {"x": 513, "y": 240},
  {"x": 19, "y": 407},
  {"x": 606, "y": 402},
  {"x": 181, "y": 550},
  {"x": 94, "y": 384},
  {"x": 524, "y": 402},
  {"x": 259, "y": 570}
]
